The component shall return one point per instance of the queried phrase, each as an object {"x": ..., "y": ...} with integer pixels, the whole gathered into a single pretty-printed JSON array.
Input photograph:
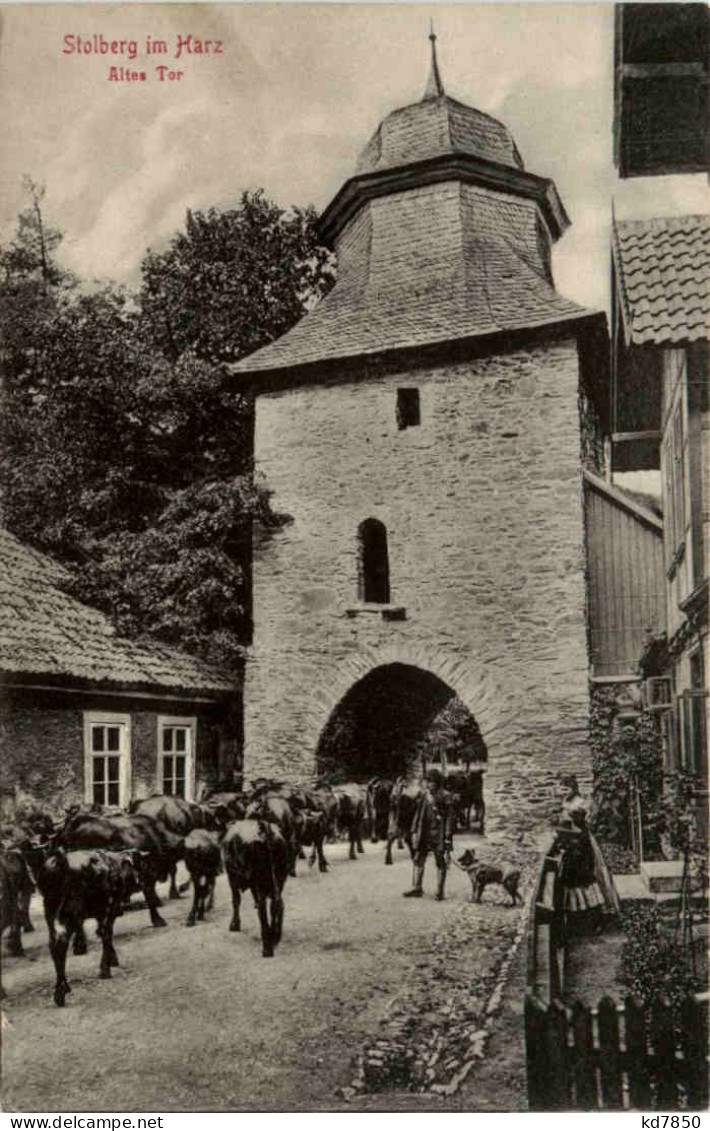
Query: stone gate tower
[{"x": 425, "y": 427}]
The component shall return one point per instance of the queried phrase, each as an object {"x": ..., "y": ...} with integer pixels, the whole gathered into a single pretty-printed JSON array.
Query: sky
[{"x": 287, "y": 104}]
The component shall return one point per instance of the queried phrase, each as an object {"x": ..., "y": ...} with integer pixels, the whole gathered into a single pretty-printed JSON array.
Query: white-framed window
[
  {"x": 176, "y": 756},
  {"x": 107, "y": 758}
]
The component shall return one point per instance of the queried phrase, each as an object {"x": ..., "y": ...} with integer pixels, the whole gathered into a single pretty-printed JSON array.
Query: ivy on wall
[{"x": 625, "y": 753}]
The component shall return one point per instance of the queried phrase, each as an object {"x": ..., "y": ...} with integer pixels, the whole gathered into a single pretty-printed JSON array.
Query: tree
[
  {"x": 454, "y": 733},
  {"x": 233, "y": 280},
  {"x": 126, "y": 445}
]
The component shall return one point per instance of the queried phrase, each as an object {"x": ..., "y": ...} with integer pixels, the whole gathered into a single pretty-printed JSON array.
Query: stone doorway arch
[{"x": 393, "y": 717}]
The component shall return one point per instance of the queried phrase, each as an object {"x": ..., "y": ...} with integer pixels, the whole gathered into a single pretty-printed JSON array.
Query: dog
[{"x": 481, "y": 875}]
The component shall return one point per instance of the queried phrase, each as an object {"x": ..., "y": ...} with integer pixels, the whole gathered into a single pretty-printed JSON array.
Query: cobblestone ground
[
  {"x": 370, "y": 999},
  {"x": 436, "y": 1029}
]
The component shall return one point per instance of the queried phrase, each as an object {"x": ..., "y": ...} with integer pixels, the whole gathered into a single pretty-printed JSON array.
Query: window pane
[
  {"x": 98, "y": 794},
  {"x": 99, "y": 769},
  {"x": 179, "y": 787},
  {"x": 167, "y": 738},
  {"x": 113, "y": 738},
  {"x": 180, "y": 738},
  {"x": 113, "y": 769},
  {"x": 180, "y": 767},
  {"x": 97, "y": 738},
  {"x": 113, "y": 793}
]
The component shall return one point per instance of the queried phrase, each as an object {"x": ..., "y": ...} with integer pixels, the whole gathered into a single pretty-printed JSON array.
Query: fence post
[
  {"x": 536, "y": 1064},
  {"x": 559, "y": 1093},
  {"x": 694, "y": 1042},
  {"x": 637, "y": 1055},
  {"x": 609, "y": 1055},
  {"x": 585, "y": 1077},
  {"x": 663, "y": 1039}
]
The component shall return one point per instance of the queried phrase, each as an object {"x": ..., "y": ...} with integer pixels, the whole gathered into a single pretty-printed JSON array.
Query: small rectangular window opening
[{"x": 408, "y": 412}]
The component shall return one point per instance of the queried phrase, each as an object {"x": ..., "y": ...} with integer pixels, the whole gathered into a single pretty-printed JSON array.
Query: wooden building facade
[{"x": 625, "y": 576}]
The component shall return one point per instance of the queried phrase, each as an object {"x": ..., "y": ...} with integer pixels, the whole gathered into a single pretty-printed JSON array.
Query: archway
[{"x": 391, "y": 718}]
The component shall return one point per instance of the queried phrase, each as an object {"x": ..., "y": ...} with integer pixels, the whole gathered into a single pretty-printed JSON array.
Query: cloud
[{"x": 288, "y": 106}]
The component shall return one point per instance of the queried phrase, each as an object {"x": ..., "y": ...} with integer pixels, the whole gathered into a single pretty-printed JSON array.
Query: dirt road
[{"x": 195, "y": 1019}]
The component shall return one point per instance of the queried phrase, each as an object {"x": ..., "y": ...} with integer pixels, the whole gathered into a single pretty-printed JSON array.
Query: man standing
[{"x": 432, "y": 831}]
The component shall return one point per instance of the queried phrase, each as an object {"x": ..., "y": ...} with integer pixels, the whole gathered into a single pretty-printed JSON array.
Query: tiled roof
[
  {"x": 46, "y": 633},
  {"x": 663, "y": 270},
  {"x": 434, "y": 127}
]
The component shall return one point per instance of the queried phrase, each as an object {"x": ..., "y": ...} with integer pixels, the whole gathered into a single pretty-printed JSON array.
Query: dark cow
[
  {"x": 16, "y": 888},
  {"x": 79, "y": 885},
  {"x": 275, "y": 809},
  {"x": 310, "y": 833},
  {"x": 322, "y": 798},
  {"x": 266, "y": 785},
  {"x": 203, "y": 861},
  {"x": 403, "y": 803},
  {"x": 297, "y": 797},
  {"x": 227, "y": 806},
  {"x": 257, "y": 859},
  {"x": 467, "y": 788},
  {"x": 179, "y": 817},
  {"x": 377, "y": 807},
  {"x": 16, "y": 837},
  {"x": 351, "y": 814},
  {"x": 157, "y": 850}
]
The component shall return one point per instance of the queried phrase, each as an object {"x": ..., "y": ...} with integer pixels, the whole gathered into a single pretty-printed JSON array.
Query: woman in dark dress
[{"x": 589, "y": 892}]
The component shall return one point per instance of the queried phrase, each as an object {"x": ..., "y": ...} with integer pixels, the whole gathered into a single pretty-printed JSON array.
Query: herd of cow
[{"x": 89, "y": 865}]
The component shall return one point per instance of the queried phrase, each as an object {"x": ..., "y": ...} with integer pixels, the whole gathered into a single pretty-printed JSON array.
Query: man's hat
[{"x": 434, "y": 775}]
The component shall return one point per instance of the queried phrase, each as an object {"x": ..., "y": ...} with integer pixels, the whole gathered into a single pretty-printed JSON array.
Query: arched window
[{"x": 373, "y": 563}]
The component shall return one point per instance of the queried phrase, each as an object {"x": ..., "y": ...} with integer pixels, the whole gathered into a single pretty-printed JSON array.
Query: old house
[
  {"x": 662, "y": 311},
  {"x": 89, "y": 717},
  {"x": 660, "y": 332},
  {"x": 422, "y": 428}
]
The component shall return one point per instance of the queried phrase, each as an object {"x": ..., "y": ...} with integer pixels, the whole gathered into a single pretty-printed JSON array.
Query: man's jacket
[{"x": 433, "y": 823}]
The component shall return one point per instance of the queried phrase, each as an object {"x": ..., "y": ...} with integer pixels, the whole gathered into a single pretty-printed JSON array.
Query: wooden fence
[
  {"x": 610, "y": 1057},
  {"x": 546, "y": 937},
  {"x": 616, "y": 1057}
]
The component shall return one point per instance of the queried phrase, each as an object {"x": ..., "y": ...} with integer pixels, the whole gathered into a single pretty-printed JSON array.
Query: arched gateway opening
[{"x": 393, "y": 717}]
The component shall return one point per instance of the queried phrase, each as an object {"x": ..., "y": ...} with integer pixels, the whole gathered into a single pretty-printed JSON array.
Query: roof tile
[
  {"x": 663, "y": 267},
  {"x": 43, "y": 631}
]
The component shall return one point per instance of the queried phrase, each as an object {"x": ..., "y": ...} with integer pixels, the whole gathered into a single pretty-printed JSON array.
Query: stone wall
[
  {"x": 483, "y": 508},
  {"x": 42, "y": 739}
]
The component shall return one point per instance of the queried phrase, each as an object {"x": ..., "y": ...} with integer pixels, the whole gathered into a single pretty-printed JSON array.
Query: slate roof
[
  {"x": 46, "y": 633},
  {"x": 491, "y": 280},
  {"x": 492, "y": 288},
  {"x": 663, "y": 272},
  {"x": 434, "y": 127}
]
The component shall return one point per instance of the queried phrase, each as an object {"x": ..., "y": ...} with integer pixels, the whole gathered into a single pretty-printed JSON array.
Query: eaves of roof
[
  {"x": 621, "y": 499},
  {"x": 463, "y": 167},
  {"x": 449, "y": 349}
]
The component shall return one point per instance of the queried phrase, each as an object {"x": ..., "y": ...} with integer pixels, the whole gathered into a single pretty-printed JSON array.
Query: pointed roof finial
[{"x": 434, "y": 86}]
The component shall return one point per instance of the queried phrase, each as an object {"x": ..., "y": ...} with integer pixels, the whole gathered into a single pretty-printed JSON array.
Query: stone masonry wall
[
  {"x": 42, "y": 738},
  {"x": 483, "y": 508}
]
